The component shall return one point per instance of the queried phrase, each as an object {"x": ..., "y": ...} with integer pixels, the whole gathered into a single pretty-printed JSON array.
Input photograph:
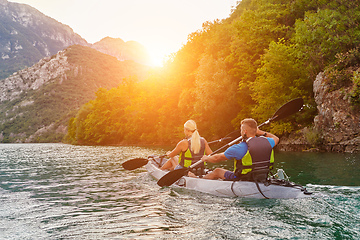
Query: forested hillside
[
  {"x": 266, "y": 53},
  {"x": 37, "y": 102}
]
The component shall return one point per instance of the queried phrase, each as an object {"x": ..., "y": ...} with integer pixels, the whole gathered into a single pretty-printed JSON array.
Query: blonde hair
[{"x": 195, "y": 137}]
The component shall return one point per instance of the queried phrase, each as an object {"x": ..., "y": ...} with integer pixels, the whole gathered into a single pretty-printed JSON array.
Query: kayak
[{"x": 272, "y": 188}]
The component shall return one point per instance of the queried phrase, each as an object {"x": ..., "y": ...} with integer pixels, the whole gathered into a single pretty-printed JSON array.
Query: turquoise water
[{"x": 57, "y": 191}]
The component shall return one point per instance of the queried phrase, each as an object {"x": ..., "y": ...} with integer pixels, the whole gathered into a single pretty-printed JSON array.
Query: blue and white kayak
[{"x": 273, "y": 188}]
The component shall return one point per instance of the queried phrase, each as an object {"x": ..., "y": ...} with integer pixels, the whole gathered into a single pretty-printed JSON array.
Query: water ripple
[{"x": 57, "y": 191}]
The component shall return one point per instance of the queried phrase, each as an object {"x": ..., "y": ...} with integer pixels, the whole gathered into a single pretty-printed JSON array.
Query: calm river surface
[{"x": 58, "y": 191}]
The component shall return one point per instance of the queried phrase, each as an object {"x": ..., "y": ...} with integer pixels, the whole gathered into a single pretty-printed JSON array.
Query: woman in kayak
[
  {"x": 254, "y": 151},
  {"x": 190, "y": 150}
]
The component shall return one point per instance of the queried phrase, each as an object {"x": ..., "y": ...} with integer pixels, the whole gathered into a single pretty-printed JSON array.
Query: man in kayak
[
  {"x": 256, "y": 147},
  {"x": 190, "y": 150}
]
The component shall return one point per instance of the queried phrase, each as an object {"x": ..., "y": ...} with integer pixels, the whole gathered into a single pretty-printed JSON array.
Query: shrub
[{"x": 313, "y": 136}]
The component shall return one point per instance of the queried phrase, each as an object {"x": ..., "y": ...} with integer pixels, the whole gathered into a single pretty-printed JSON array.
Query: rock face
[
  {"x": 336, "y": 127},
  {"x": 27, "y": 35},
  {"x": 33, "y": 77},
  {"x": 337, "y": 122},
  {"x": 295, "y": 142},
  {"x": 14, "y": 88},
  {"x": 36, "y": 103}
]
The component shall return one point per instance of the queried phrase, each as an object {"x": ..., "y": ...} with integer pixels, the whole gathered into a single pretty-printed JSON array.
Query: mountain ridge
[
  {"x": 36, "y": 103},
  {"x": 27, "y": 35},
  {"x": 48, "y": 72},
  {"x": 123, "y": 50}
]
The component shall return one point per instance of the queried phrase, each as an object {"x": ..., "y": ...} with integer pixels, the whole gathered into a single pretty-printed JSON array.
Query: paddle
[
  {"x": 284, "y": 111},
  {"x": 232, "y": 135},
  {"x": 136, "y": 163}
]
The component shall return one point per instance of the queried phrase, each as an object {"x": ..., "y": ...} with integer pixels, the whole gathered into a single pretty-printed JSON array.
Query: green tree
[
  {"x": 332, "y": 29},
  {"x": 281, "y": 78},
  {"x": 266, "y": 53},
  {"x": 263, "y": 22}
]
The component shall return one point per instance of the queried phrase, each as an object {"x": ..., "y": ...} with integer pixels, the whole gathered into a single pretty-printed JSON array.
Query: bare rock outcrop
[
  {"x": 337, "y": 125},
  {"x": 337, "y": 121},
  {"x": 27, "y": 35},
  {"x": 33, "y": 78}
]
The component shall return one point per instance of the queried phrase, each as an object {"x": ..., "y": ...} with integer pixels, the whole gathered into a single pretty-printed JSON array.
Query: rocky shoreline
[
  {"x": 297, "y": 142},
  {"x": 336, "y": 127}
]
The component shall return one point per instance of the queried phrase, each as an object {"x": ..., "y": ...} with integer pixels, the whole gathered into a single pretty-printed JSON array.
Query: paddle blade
[
  {"x": 288, "y": 109},
  {"x": 171, "y": 177},
  {"x": 134, "y": 163}
]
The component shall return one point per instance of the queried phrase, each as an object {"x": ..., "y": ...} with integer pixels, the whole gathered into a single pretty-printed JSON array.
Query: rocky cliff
[
  {"x": 336, "y": 127},
  {"x": 337, "y": 121},
  {"x": 27, "y": 35},
  {"x": 36, "y": 103},
  {"x": 32, "y": 78}
]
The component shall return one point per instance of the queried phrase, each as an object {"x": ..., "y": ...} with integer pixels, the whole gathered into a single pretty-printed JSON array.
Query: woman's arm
[
  {"x": 208, "y": 150},
  {"x": 180, "y": 147}
]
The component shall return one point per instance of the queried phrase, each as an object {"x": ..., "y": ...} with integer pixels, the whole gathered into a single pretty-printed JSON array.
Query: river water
[{"x": 58, "y": 191}]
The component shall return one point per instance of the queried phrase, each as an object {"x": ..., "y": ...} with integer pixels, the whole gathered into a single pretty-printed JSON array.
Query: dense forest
[{"x": 266, "y": 53}]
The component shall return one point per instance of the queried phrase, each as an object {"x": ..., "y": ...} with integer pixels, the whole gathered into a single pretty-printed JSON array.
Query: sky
[{"x": 162, "y": 26}]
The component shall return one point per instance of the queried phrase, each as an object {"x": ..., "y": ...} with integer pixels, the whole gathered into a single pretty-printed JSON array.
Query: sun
[
  {"x": 157, "y": 61},
  {"x": 160, "y": 52},
  {"x": 157, "y": 57}
]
